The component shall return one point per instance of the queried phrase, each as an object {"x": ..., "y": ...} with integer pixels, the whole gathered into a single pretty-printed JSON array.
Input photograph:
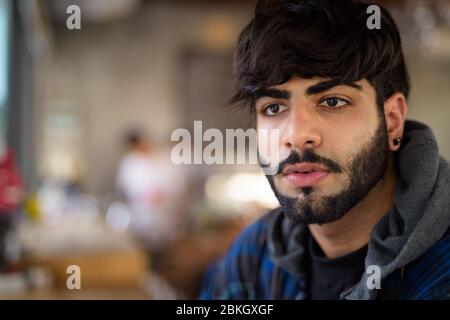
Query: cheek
[
  {"x": 342, "y": 144},
  {"x": 345, "y": 137},
  {"x": 347, "y": 149}
]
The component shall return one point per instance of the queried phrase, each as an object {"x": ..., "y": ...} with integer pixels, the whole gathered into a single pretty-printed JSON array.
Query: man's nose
[{"x": 301, "y": 129}]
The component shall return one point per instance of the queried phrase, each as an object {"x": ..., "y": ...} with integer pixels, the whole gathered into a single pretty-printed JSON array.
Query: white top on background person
[{"x": 145, "y": 178}]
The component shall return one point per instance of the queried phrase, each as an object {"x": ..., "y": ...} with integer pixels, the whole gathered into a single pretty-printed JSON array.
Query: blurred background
[{"x": 86, "y": 117}]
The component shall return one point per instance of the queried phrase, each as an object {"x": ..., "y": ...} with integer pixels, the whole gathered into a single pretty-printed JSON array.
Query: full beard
[{"x": 365, "y": 170}]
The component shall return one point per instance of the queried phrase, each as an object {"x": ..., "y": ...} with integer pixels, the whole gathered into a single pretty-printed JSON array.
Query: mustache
[{"x": 309, "y": 156}]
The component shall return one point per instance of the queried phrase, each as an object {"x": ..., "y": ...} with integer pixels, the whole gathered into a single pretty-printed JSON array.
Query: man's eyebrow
[
  {"x": 271, "y": 93},
  {"x": 328, "y": 84}
]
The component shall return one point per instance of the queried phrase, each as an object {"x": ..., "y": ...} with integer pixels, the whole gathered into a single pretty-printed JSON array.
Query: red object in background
[{"x": 11, "y": 185}]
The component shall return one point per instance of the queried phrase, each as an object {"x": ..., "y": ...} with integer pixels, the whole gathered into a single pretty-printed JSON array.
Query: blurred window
[{"x": 4, "y": 50}]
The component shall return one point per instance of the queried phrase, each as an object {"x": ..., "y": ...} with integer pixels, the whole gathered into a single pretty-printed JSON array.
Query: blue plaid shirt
[{"x": 247, "y": 272}]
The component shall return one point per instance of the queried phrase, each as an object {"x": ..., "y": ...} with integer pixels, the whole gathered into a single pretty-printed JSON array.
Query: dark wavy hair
[{"x": 324, "y": 38}]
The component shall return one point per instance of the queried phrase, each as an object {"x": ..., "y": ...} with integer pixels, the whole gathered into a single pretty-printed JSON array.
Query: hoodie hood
[{"x": 419, "y": 218}]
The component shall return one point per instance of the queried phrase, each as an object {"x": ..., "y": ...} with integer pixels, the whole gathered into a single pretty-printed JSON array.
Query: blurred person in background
[
  {"x": 364, "y": 193},
  {"x": 11, "y": 190},
  {"x": 153, "y": 190}
]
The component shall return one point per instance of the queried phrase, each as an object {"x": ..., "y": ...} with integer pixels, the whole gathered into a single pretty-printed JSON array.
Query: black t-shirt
[{"x": 330, "y": 277}]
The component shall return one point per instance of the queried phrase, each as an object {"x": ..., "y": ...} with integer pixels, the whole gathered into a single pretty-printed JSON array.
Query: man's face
[{"x": 332, "y": 143}]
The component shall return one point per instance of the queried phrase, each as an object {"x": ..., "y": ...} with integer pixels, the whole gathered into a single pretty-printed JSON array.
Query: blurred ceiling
[
  {"x": 93, "y": 10},
  {"x": 105, "y": 10}
]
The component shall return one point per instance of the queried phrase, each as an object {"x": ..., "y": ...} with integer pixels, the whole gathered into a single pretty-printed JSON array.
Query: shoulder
[
  {"x": 235, "y": 276},
  {"x": 249, "y": 246},
  {"x": 428, "y": 276},
  {"x": 253, "y": 237}
]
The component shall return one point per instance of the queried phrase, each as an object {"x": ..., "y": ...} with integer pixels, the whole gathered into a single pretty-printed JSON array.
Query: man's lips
[{"x": 304, "y": 174}]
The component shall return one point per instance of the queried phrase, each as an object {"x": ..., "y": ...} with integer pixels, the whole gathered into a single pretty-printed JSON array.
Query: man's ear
[{"x": 395, "y": 112}]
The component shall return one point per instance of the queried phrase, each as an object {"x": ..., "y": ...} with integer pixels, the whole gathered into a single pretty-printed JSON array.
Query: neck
[{"x": 352, "y": 231}]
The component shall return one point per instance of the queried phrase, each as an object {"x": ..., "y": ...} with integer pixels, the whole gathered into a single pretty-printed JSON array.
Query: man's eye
[
  {"x": 274, "y": 109},
  {"x": 334, "y": 103}
]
